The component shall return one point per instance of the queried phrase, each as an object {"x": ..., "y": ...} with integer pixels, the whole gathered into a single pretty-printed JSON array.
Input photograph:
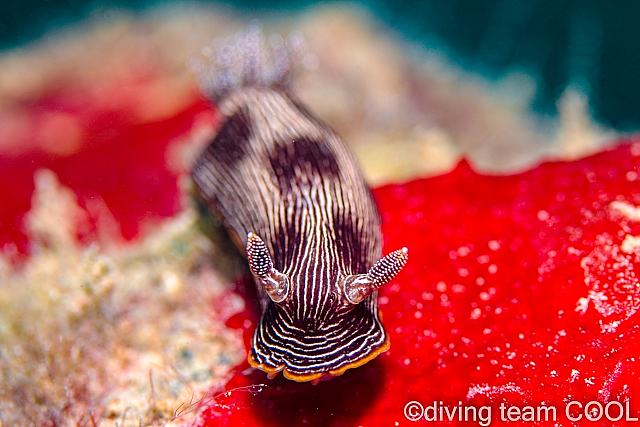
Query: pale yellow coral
[{"x": 124, "y": 336}]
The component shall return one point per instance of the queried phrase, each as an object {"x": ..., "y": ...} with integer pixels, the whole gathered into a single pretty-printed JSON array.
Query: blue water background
[{"x": 592, "y": 45}]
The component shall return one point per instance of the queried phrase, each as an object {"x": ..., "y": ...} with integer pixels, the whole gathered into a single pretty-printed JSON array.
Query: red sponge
[{"x": 520, "y": 291}]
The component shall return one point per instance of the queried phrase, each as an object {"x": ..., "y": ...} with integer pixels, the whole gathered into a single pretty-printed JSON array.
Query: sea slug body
[{"x": 293, "y": 199}]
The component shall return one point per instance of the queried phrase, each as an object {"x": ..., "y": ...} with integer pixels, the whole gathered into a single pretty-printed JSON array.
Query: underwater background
[
  {"x": 492, "y": 134},
  {"x": 589, "y": 45}
]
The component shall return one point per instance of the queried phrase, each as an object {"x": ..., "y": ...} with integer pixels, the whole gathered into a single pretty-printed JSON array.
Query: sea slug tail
[{"x": 244, "y": 59}]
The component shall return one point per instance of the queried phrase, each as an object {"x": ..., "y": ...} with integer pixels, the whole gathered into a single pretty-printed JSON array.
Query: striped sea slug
[{"x": 293, "y": 199}]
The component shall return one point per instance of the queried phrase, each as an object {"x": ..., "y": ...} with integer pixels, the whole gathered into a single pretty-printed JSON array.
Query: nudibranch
[{"x": 294, "y": 201}]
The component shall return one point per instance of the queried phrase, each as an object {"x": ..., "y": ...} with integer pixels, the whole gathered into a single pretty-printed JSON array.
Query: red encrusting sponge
[{"x": 521, "y": 292}]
